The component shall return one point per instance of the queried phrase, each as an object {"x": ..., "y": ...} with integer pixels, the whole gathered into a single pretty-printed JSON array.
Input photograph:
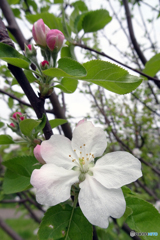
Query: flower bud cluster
[
  {"x": 50, "y": 41},
  {"x": 17, "y": 117},
  {"x": 44, "y": 36}
]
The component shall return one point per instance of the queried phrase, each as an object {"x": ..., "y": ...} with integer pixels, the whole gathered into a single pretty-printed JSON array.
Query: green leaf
[
  {"x": 56, "y": 122},
  {"x": 1, "y": 124},
  {"x": 41, "y": 125},
  {"x": 65, "y": 52},
  {"x": 152, "y": 66},
  {"x": 6, "y": 139},
  {"x": 95, "y": 20},
  {"x": 78, "y": 21},
  {"x": 68, "y": 85},
  {"x": 58, "y": 1},
  {"x": 127, "y": 213},
  {"x": 29, "y": 76},
  {"x": 49, "y": 19},
  {"x": 10, "y": 103},
  {"x": 145, "y": 217},
  {"x": 17, "y": 176},
  {"x": 59, "y": 223},
  {"x": 13, "y": 1},
  {"x": 80, "y": 5},
  {"x": 68, "y": 68},
  {"x": 110, "y": 76},
  {"x": 16, "y": 12},
  {"x": 27, "y": 125},
  {"x": 10, "y": 55},
  {"x": 71, "y": 67},
  {"x": 73, "y": 16}
]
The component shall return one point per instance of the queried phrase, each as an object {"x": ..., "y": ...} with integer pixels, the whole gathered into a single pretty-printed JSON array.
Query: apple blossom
[
  {"x": 54, "y": 40},
  {"x": 69, "y": 162},
  {"x": 39, "y": 32}
]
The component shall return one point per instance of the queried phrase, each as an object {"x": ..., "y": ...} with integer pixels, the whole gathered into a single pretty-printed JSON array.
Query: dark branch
[
  {"x": 113, "y": 59},
  {"x": 12, "y": 24},
  {"x": 9, "y": 231}
]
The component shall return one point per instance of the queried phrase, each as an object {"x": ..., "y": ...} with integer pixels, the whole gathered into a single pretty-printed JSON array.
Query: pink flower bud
[
  {"x": 12, "y": 125},
  {"x": 55, "y": 40},
  {"x": 37, "y": 154},
  {"x": 22, "y": 118},
  {"x": 29, "y": 46},
  {"x": 44, "y": 64},
  {"x": 39, "y": 32},
  {"x": 15, "y": 114}
]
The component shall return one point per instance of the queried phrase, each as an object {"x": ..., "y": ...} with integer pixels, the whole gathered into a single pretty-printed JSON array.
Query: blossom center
[{"x": 83, "y": 161}]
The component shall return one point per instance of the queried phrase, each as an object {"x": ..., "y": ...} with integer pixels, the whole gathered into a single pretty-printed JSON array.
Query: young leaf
[
  {"x": 17, "y": 176},
  {"x": 68, "y": 85},
  {"x": 95, "y": 20},
  {"x": 71, "y": 67},
  {"x": 12, "y": 56},
  {"x": 62, "y": 222},
  {"x": 49, "y": 19},
  {"x": 110, "y": 76},
  {"x": 1, "y": 124},
  {"x": 6, "y": 139},
  {"x": 67, "y": 67},
  {"x": 145, "y": 217},
  {"x": 80, "y": 5},
  {"x": 41, "y": 125},
  {"x": 56, "y": 122},
  {"x": 27, "y": 125},
  {"x": 152, "y": 66},
  {"x": 14, "y": 182}
]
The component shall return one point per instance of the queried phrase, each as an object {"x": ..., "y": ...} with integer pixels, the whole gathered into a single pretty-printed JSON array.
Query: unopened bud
[
  {"x": 12, "y": 125},
  {"x": 37, "y": 154},
  {"x": 55, "y": 40},
  {"x": 44, "y": 65},
  {"x": 17, "y": 115},
  {"x": 39, "y": 32},
  {"x": 30, "y": 51}
]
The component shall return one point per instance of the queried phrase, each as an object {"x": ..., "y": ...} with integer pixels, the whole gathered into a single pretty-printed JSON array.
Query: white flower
[{"x": 69, "y": 162}]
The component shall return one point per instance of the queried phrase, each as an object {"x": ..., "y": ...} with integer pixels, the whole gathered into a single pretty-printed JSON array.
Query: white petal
[
  {"x": 98, "y": 203},
  {"x": 93, "y": 137},
  {"x": 117, "y": 169},
  {"x": 56, "y": 150},
  {"x": 53, "y": 184}
]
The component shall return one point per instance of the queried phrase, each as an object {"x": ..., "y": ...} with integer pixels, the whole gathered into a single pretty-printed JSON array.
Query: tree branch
[
  {"x": 59, "y": 113},
  {"x": 133, "y": 38},
  {"x": 9, "y": 231},
  {"x": 113, "y": 59},
  {"x": 13, "y": 26}
]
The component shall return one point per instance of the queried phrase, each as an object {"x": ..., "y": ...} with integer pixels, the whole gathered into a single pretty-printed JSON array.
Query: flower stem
[{"x": 74, "y": 206}]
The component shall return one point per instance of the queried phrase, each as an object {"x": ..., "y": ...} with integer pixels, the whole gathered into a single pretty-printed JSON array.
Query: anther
[
  {"x": 87, "y": 159},
  {"x": 69, "y": 155},
  {"x": 73, "y": 160},
  {"x": 80, "y": 146},
  {"x": 87, "y": 154},
  {"x": 80, "y": 152},
  {"x": 74, "y": 150},
  {"x": 84, "y": 144}
]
